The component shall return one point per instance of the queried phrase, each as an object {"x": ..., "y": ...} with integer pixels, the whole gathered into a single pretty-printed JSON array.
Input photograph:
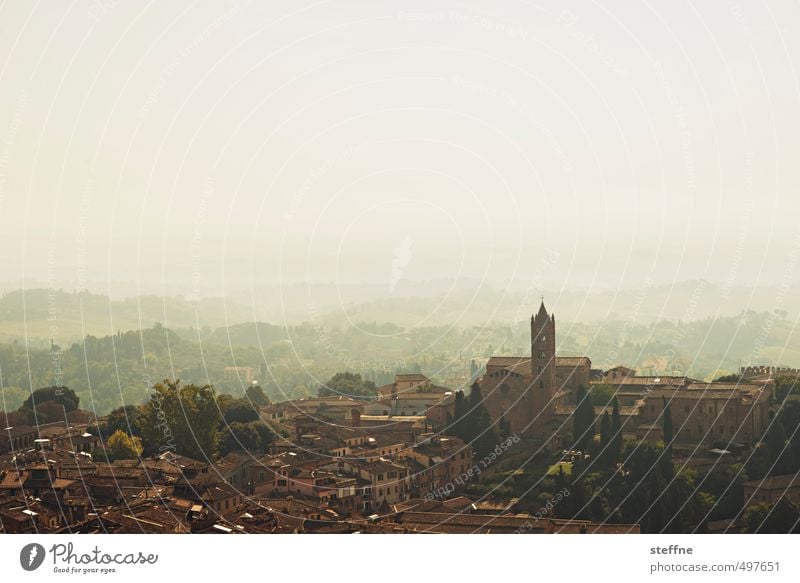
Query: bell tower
[{"x": 543, "y": 364}]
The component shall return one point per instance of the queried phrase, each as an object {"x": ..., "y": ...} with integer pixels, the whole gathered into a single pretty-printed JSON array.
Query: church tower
[{"x": 543, "y": 364}]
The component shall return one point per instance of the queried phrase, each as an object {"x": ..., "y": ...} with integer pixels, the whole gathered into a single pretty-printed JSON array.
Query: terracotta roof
[
  {"x": 776, "y": 482},
  {"x": 573, "y": 361},
  {"x": 504, "y": 361}
]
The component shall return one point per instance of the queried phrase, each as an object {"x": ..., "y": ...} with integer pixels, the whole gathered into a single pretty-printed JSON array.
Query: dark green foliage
[
  {"x": 64, "y": 396},
  {"x": 124, "y": 419},
  {"x": 728, "y": 378},
  {"x": 616, "y": 442},
  {"x": 605, "y": 430},
  {"x": 666, "y": 425},
  {"x": 347, "y": 384},
  {"x": 471, "y": 422},
  {"x": 583, "y": 420},
  {"x": 256, "y": 395},
  {"x": 602, "y": 394},
  {"x": 181, "y": 418},
  {"x": 781, "y": 518},
  {"x": 240, "y": 437},
  {"x": 237, "y": 410}
]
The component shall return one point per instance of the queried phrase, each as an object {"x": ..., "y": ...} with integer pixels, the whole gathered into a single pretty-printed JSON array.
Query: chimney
[{"x": 355, "y": 416}]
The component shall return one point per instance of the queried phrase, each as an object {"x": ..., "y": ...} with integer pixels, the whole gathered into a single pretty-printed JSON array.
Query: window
[
  {"x": 542, "y": 354},
  {"x": 543, "y": 339},
  {"x": 686, "y": 408},
  {"x": 380, "y": 477},
  {"x": 541, "y": 384},
  {"x": 722, "y": 429}
]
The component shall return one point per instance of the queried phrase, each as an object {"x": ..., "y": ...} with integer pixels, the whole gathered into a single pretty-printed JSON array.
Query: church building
[{"x": 527, "y": 391}]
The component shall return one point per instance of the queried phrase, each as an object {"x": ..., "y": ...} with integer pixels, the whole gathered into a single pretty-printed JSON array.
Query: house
[{"x": 771, "y": 489}]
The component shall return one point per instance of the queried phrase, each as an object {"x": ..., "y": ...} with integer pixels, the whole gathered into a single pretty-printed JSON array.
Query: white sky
[{"x": 213, "y": 147}]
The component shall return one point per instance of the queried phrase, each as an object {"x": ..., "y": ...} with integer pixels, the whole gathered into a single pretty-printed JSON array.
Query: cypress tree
[
  {"x": 616, "y": 432},
  {"x": 460, "y": 407},
  {"x": 605, "y": 430},
  {"x": 472, "y": 417},
  {"x": 669, "y": 432},
  {"x": 583, "y": 420}
]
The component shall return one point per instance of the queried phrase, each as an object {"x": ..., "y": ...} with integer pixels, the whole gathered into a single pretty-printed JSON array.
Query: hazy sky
[{"x": 213, "y": 146}]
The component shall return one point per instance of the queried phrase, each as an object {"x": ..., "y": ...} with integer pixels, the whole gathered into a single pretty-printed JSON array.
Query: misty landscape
[
  {"x": 104, "y": 348},
  {"x": 345, "y": 267}
]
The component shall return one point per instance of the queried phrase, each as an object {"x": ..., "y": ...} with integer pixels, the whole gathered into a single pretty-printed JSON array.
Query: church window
[{"x": 542, "y": 354}]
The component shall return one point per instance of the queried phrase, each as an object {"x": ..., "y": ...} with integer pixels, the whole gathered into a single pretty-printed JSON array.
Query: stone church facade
[
  {"x": 535, "y": 396},
  {"x": 528, "y": 391}
]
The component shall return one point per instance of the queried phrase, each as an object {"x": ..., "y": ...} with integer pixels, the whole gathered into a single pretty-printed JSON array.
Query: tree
[
  {"x": 602, "y": 394},
  {"x": 474, "y": 413},
  {"x": 62, "y": 395},
  {"x": 265, "y": 433},
  {"x": 486, "y": 438},
  {"x": 666, "y": 420},
  {"x": 775, "y": 434},
  {"x": 125, "y": 419},
  {"x": 240, "y": 437},
  {"x": 237, "y": 410},
  {"x": 616, "y": 432},
  {"x": 459, "y": 410},
  {"x": 728, "y": 378},
  {"x": 122, "y": 446},
  {"x": 256, "y": 395},
  {"x": 347, "y": 384},
  {"x": 786, "y": 386},
  {"x": 46, "y": 412},
  {"x": 181, "y": 418},
  {"x": 583, "y": 420},
  {"x": 780, "y": 518},
  {"x": 605, "y": 430}
]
